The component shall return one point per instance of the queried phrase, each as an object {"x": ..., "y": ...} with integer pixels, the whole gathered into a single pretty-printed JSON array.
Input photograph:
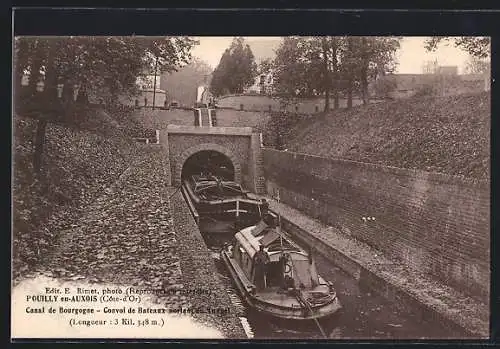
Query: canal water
[{"x": 364, "y": 315}]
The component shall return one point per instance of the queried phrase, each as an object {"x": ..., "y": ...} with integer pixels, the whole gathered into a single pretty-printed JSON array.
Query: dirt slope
[
  {"x": 78, "y": 164},
  {"x": 448, "y": 135}
]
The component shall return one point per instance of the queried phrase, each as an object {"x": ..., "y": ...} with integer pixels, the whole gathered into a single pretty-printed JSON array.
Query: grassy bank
[{"x": 448, "y": 135}]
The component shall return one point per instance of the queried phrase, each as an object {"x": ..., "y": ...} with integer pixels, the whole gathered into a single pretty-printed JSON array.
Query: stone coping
[
  {"x": 230, "y": 131},
  {"x": 415, "y": 173}
]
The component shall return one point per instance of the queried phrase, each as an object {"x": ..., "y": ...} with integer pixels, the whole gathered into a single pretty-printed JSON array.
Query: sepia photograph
[{"x": 251, "y": 187}]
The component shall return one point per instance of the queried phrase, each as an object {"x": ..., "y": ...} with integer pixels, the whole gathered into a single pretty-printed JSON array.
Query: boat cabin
[
  {"x": 222, "y": 206},
  {"x": 289, "y": 265},
  {"x": 212, "y": 188}
]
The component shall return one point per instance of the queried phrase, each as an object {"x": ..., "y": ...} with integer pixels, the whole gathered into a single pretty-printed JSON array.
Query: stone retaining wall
[{"x": 431, "y": 222}]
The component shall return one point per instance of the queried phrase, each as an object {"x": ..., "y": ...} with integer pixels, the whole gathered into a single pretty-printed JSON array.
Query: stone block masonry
[
  {"x": 239, "y": 144},
  {"x": 433, "y": 223},
  {"x": 408, "y": 289},
  {"x": 258, "y": 163}
]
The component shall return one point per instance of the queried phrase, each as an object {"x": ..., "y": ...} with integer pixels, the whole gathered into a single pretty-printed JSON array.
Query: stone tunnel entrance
[
  {"x": 233, "y": 153},
  {"x": 208, "y": 162}
]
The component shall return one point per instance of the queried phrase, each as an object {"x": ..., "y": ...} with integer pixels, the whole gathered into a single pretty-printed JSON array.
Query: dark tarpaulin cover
[
  {"x": 269, "y": 238},
  {"x": 259, "y": 228}
]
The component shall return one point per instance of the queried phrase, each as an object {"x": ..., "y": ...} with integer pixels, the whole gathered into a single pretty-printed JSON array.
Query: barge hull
[{"x": 322, "y": 311}]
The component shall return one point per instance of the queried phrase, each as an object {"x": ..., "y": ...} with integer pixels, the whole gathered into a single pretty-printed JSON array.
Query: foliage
[
  {"x": 278, "y": 128},
  {"x": 477, "y": 46},
  {"x": 236, "y": 69},
  {"x": 384, "y": 86},
  {"x": 107, "y": 66},
  {"x": 365, "y": 59},
  {"x": 182, "y": 84},
  {"x": 79, "y": 165},
  {"x": 310, "y": 66},
  {"x": 265, "y": 66},
  {"x": 426, "y": 90},
  {"x": 290, "y": 67},
  {"x": 477, "y": 65}
]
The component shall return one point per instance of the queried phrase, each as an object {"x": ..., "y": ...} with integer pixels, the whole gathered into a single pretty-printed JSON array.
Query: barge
[
  {"x": 274, "y": 275},
  {"x": 221, "y": 206}
]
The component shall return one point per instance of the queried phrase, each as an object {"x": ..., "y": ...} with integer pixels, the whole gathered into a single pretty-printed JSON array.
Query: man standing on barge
[{"x": 260, "y": 262}]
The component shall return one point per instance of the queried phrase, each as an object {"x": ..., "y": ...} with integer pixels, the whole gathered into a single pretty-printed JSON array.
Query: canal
[{"x": 364, "y": 315}]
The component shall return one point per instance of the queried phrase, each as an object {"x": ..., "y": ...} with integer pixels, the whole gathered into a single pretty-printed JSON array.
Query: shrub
[
  {"x": 427, "y": 90},
  {"x": 384, "y": 86}
]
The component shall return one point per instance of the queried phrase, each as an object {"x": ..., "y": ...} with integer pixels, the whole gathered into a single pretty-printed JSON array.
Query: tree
[
  {"x": 478, "y": 46},
  {"x": 381, "y": 58},
  {"x": 265, "y": 66},
  {"x": 477, "y": 65},
  {"x": 306, "y": 66},
  {"x": 291, "y": 67},
  {"x": 236, "y": 69},
  {"x": 182, "y": 84},
  {"x": 366, "y": 58},
  {"x": 335, "y": 49},
  {"x": 107, "y": 66},
  {"x": 218, "y": 86},
  {"x": 330, "y": 64},
  {"x": 327, "y": 78},
  {"x": 248, "y": 67},
  {"x": 349, "y": 68}
]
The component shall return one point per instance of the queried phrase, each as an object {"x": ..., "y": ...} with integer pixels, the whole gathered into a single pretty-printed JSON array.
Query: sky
[{"x": 411, "y": 56}]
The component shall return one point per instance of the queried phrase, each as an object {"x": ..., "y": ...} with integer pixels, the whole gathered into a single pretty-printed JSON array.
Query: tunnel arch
[
  {"x": 188, "y": 153},
  {"x": 208, "y": 162}
]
